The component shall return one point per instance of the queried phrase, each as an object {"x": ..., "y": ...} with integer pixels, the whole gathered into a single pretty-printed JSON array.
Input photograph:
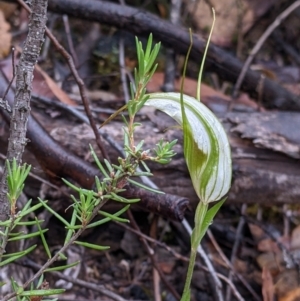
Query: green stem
[{"x": 196, "y": 238}]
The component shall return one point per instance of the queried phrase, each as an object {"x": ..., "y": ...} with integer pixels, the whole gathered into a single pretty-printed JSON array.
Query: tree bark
[{"x": 21, "y": 105}]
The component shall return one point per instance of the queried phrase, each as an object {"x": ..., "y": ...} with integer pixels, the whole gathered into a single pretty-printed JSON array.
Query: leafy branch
[{"x": 86, "y": 206}]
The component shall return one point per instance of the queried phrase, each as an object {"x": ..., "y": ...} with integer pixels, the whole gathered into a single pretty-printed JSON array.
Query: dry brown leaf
[
  {"x": 269, "y": 245},
  {"x": 257, "y": 232},
  {"x": 42, "y": 84},
  {"x": 267, "y": 285},
  {"x": 8, "y": 8},
  {"x": 167, "y": 266},
  {"x": 287, "y": 286},
  {"x": 52, "y": 85},
  {"x": 240, "y": 266},
  {"x": 5, "y": 44},
  {"x": 273, "y": 262},
  {"x": 293, "y": 295}
]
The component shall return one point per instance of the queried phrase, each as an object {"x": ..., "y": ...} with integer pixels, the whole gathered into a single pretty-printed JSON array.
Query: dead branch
[{"x": 260, "y": 42}]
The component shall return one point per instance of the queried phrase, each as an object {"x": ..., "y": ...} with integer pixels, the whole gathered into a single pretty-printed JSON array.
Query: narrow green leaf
[
  {"x": 139, "y": 146},
  {"x": 142, "y": 174},
  {"x": 145, "y": 166},
  {"x": 118, "y": 198},
  {"x": 70, "y": 231},
  {"x": 6, "y": 223},
  {"x": 149, "y": 46},
  {"x": 131, "y": 92},
  {"x": 77, "y": 189},
  {"x": 29, "y": 210},
  {"x": 137, "y": 45},
  {"x": 91, "y": 246},
  {"x": 141, "y": 103},
  {"x": 41, "y": 279},
  {"x": 113, "y": 116},
  {"x": 17, "y": 290},
  {"x": 25, "y": 169},
  {"x": 136, "y": 82},
  {"x": 108, "y": 165},
  {"x": 98, "y": 163},
  {"x": 45, "y": 244},
  {"x": 107, "y": 219},
  {"x": 29, "y": 223},
  {"x": 17, "y": 255},
  {"x": 47, "y": 292},
  {"x": 27, "y": 205},
  {"x": 62, "y": 267},
  {"x": 144, "y": 186},
  {"x": 25, "y": 236},
  {"x": 153, "y": 57},
  {"x": 113, "y": 217},
  {"x": 62, "y": 256},
  {"x": 210, "y": 214},
  {"x": 14, "y": 285},
  {"x": 54, "y": 213},
  {"x": 74, "y": 187},
  {"x": 15, "y": 234}
]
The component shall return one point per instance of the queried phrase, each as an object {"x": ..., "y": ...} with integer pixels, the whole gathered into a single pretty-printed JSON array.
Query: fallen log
[
  {"x": 265, "y": 152},
  {"x": 143, "y": 23}
]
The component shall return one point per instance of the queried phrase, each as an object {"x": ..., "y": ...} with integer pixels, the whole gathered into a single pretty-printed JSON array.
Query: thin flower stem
[{"x": 196, "y": 238}]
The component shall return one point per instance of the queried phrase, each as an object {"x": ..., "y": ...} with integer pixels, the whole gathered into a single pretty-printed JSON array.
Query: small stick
[
  {"x": 235, "y": 247},
  {"x": 69, "y": 39},
  {"x": 182, "y": 258},
  {"x": 123, "y": 70},
  {"x": 152, "y": 258},
  {"x": 259, "y": 44},
  {"x": 156, "y": 278},
  {"x": 229, "y": 265}
]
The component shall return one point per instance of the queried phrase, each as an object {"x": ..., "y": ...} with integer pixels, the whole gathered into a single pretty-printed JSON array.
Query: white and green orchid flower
[
  {"x": 208, "y": 157},
  {"x": 206, "y": 146}
]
